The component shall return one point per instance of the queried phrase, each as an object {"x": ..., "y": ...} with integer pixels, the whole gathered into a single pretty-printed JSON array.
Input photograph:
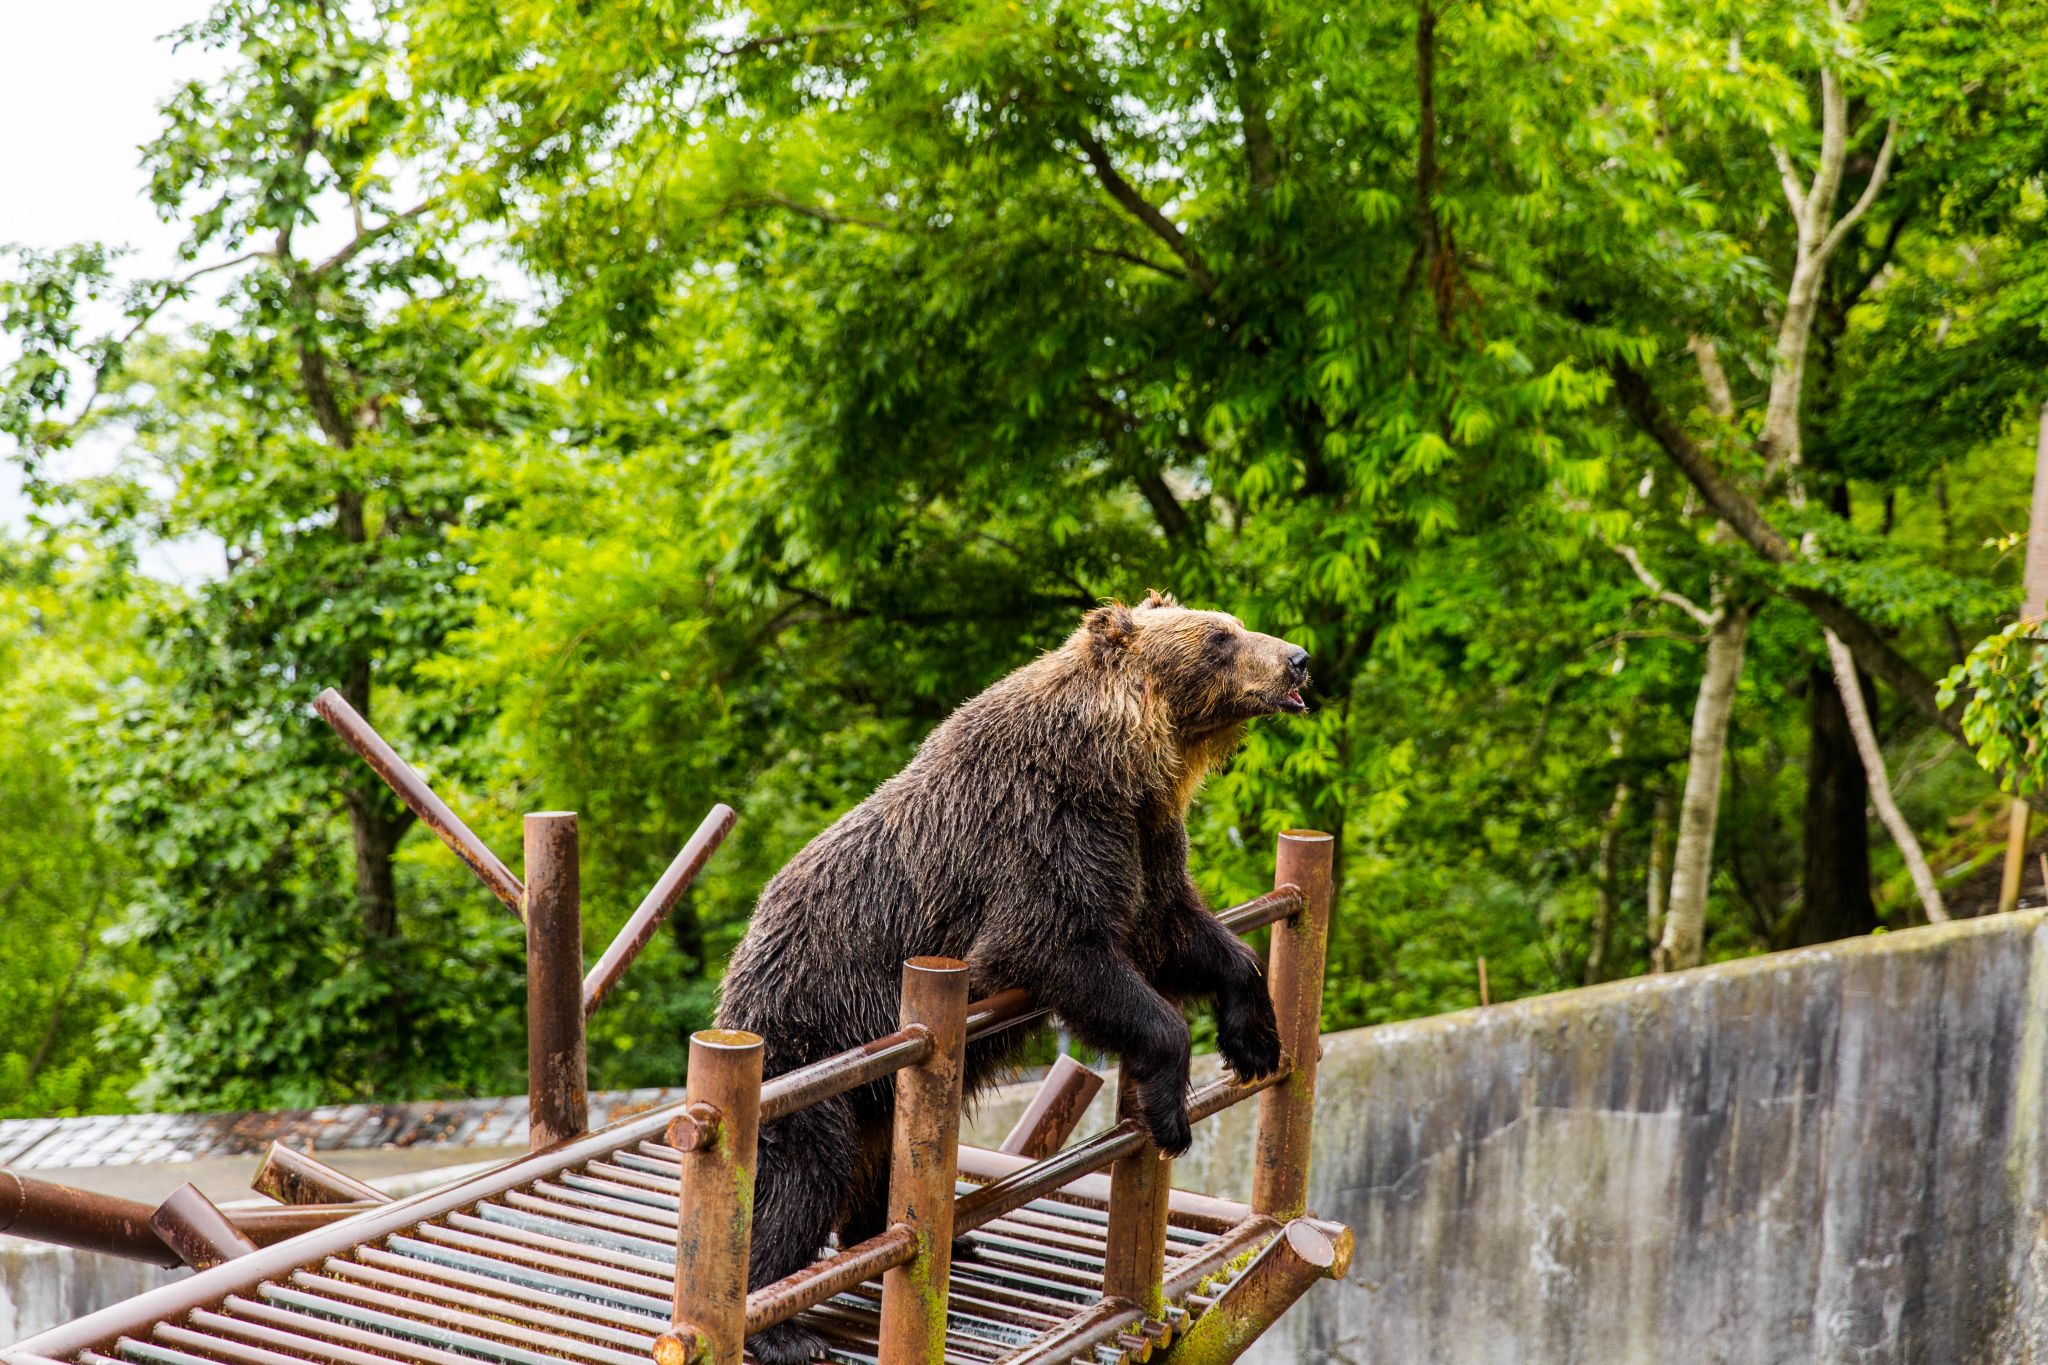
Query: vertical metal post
[
  {"x": 1294, "y": 972},
  {"x": 924, "y": 1163},
  {"x": 716, "y": 1221},
  {"x": 557, "y": 1106},
  {"x": 1135, "y": 1258}
]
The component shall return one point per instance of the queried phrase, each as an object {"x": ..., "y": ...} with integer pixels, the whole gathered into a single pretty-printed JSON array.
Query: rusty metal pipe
[
  {"x": 1004, "y": 1009},
  {"x": 1134, "y": 1253},
  {"x": 814, "y": 1284},
  {"x": 1188, "y": 1209},
  {"x": 640, "y": 928},
  {"x": 557, "y": 1102},
  {"x": 1280, "y": 903},
  {"x": 47, "y": 1212},
  {"x": 193, "y": 1226},
  {"x": 292, "y": 1177},
  {"x": 1295, "y": 976},
  {"x": 1084, "y": 1158},
  {"x": 1048, "y": 1121},
  {"x": 419, "y": 797},
  {"x": 717, "y": 1212},
  {"x": 1303, "y": 1253},
  {"x": 923, "y": 1164},
  {"x": 805, "y": 1086},
  {"x": 267, "y": 1227}
]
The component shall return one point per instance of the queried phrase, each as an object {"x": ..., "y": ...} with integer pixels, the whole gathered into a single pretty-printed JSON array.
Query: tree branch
[
  {"x": 1706, "y": 619},
  {"x": 363, "y": 239},
  {"x": 1141, "y": 208},
  {"x": 1871, "y": 649},
  {"x": 1728, "y": 504},
  {"x": 1135, "y": 259},
  {"x": 1869, "y": 195}
]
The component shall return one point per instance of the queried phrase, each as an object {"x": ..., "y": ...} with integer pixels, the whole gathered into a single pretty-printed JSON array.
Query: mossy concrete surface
[{"x": 1833, "y": 1154}]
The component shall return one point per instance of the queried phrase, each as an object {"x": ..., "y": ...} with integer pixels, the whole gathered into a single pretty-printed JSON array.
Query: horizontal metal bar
[
  {"x": 1041, "y": 1178},
  {"x": 805, "y": 1086},
  {"x": 413, "y": 790},
  {"x": 1282, "y": 902},
  {"x": 814, "y": 1284},
  {"x": 633, "y": 939}
]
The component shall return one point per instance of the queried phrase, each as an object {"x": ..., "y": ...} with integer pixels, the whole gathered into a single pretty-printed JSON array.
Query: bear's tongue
[{"x": 1293, "y": 702}]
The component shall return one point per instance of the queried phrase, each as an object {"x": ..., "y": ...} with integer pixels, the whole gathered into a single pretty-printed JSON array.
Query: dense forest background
[{"x": 632, "y": 406}]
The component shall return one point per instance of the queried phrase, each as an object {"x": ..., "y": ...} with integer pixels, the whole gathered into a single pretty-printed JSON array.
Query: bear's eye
[{"x": 1218, "y": 636}]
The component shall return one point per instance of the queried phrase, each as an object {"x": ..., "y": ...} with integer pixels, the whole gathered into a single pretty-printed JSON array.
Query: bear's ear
[
  {"x": 1156, "y": 598},
  {"x": 1111, "y": 624}
]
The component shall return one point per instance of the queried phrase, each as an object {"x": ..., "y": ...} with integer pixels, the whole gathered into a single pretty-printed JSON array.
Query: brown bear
[{"x": 1039, "y": 836}]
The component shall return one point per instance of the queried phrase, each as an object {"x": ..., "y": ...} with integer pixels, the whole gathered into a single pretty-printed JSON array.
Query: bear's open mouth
[{"x": 1292, "y": 704}]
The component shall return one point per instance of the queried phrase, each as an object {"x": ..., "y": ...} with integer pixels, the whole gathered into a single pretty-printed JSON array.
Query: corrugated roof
[{"x": 147, "y": 1139}]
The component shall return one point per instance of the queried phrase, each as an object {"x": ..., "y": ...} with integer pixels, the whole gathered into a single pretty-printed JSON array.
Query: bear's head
[{"x": 1202, "y": 668}]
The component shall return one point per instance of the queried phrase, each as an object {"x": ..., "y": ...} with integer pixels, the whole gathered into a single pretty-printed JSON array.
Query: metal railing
[{"x": 711, "y": 1136}]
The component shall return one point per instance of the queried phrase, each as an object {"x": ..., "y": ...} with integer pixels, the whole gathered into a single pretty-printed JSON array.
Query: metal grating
[{"x": 579, "y": 1265}]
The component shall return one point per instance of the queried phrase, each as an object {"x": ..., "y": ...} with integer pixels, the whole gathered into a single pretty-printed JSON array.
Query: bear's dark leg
[
  {"x": 804, "y": 1168},
  {"x": 1207, "y": 959},
  {"x": 1112, "y": 1008}
]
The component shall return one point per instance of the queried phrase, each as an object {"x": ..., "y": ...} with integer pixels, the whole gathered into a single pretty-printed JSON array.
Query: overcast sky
[{"x": 80, "y": 81}]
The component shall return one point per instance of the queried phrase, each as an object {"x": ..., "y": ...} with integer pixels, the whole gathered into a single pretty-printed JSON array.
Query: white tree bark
[
  {"x": 1692, "y": 867},
  {"x": 1818, "y": 235},
  {"x": 1880, "y": 785}
]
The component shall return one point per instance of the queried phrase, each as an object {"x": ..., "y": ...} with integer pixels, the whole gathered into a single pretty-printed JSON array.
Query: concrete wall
[{"x": 1828, "y": 1155}]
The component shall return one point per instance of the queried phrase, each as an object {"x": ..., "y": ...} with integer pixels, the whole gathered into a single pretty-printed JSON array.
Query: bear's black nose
[{"x": 1298, "y": 661}]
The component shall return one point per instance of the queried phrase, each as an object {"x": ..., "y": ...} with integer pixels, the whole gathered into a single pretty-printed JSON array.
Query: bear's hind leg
[{"x": 801, "y": 1179}]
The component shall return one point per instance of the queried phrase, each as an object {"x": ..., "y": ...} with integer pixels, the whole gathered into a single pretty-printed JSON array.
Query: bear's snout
[{"x": 1297, "y": 659}]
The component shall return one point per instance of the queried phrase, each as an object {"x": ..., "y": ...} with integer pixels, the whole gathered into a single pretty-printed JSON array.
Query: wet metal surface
[
  {"x": 194, "y": 1227},
  {"x": 1049, "y": 1120},
  {"x": 1294, "y": 973},
  {"x": 432, "y": 811},
  {"x": 292, "y": 1177},
  {"x": 923, "y": 1162},
  {"x": 556, "y": 1088},
  {"x": 716, "y": 1183}
]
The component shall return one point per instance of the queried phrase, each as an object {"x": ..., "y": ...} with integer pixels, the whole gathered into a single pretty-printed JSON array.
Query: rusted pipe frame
[
  {"x": 47, "y": 1212},
  {"x": 1282, "y": 902},
  {"x": 1189, "y": 1210},
  {"x": 1134, "y": 1249},
  {"x": 1282, "y": 1272},
  {"x": 1013, "y": 1191},
  {"x": 814, "y": 1284},
  {"x": 267, "y": 1227},
  {"x": 1294, "y": 975},
  {"x": 432, "y": 811},
  {"x": 835, "y": 1075},
  {"x": 922, "y": 1164},
  {"x": 292, "y": 1177},
  {"x": 193, "y": 1226},
  {"x": 557, "y": 1076},
  {"x": 639, "y": 929},
  {"x": 716, "y": 1214},
  {"x": 693, "y": 1129},
  {"x": 1048, "y": 1121},
  {"x": 1192, "y": 1273}
]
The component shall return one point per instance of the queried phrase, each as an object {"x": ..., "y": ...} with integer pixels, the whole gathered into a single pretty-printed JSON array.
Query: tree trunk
[
  {"x": 1835, "y": 896},
  {"x": 1597, "y": 967},
  {"x": 1693, "y": 867},
  {"x": 1849, "y": 687},
  {"x": 375, "y": 824},
  {"x": 1657, "y": 883}
]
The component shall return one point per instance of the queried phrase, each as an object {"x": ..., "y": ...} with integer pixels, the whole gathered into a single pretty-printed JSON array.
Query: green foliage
[
  {"x": 2006, "y": 716},
  {"x": 68, "y": 655},
  {"x": 879, "y": 345}
]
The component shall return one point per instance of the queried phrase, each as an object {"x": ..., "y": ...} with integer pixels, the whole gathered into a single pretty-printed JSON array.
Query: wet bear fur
[{"x": 1039, "y": 836}]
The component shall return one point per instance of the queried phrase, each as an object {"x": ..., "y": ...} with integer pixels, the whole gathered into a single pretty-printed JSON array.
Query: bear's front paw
[
  {"x": 1249, "y": 1041},
  {"x": 786, "y": 1344},
  {"x": 1168, "y": 1125}
]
